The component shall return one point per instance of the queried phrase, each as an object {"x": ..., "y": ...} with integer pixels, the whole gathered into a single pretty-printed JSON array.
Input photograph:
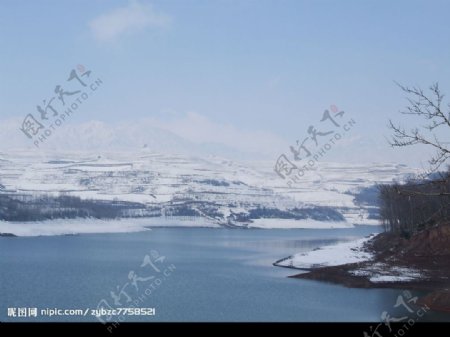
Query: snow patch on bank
[
  {"x": 333, "y": 255},
  {"x": 91, "y": 226},
  {"x": 383, "y": 273},
  {"x": 290, "y": 223}
]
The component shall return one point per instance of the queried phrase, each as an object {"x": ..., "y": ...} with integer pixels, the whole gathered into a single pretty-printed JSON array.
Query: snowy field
[{"x": 233, "y": 187}]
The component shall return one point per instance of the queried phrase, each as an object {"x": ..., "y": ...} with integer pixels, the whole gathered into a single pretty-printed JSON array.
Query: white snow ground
[
  {"x": 333, "y": 255},
  {"x": 352, "y": 252},
  {"x": 381, "y": 273},
  {"x": 90, "y": 226},
  {"x": 152, "y": 178}
]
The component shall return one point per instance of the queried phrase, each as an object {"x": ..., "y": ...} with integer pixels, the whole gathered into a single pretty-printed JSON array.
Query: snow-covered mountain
[
  {"x": 211, "y": 188},
  {"x": 104, "y": 136}
]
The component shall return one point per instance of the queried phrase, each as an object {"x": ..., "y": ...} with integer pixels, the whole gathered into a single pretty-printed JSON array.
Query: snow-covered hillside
[{"x": 218, "y": 190}]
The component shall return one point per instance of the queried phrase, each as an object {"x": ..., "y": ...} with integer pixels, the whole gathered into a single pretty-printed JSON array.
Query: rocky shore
[{"x": 421, "y": 262}]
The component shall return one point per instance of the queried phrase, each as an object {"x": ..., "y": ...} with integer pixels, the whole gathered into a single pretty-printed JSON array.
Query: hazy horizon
[{"x": 247, "y": 76}]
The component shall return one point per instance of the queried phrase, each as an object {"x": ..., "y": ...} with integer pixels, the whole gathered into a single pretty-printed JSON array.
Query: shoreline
[{"x": 396, "y": 263}]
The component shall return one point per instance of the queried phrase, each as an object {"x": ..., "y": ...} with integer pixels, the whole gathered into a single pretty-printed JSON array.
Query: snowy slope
[{"x": 223, "y": 191}]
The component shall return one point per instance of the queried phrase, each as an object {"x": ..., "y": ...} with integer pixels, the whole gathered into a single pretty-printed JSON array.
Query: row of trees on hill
[
  {"x": 420, "y": 203},
  {"x": 15, "y": 207},
  {"x": 415, "y": 205}
]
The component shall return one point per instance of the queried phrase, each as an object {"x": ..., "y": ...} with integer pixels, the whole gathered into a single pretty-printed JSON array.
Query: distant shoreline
[{"x": 123, "y": 225}]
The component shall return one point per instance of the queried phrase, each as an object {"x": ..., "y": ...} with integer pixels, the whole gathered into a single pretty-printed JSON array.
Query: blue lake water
[{"x": 206, "y": 275}]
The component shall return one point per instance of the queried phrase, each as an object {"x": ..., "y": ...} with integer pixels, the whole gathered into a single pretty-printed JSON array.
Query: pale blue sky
[{"x": 258, "y": 65}]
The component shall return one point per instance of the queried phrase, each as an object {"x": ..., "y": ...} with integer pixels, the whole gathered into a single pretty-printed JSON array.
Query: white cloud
[{"x": 131, "y": 19}]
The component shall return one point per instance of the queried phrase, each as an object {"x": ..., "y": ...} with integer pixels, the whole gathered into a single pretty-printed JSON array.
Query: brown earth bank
[{"x": 426, "y": 253}]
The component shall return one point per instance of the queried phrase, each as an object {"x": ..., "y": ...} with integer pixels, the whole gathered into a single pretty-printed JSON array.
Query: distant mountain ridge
[{"x": 102, "y": 136}]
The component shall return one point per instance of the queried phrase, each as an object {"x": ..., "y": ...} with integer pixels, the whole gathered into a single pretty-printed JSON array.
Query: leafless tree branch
[{"x": 429, "y": 108}]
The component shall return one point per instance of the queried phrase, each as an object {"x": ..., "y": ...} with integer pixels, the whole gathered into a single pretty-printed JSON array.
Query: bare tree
[
  {"x": 418, "y": 203},
  {"x": 428, "y": 107},
  {"x": 409, "y": 207}
]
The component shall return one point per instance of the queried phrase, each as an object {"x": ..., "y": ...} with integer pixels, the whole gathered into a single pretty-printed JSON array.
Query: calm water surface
[{"x": 207, "y": 275}]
